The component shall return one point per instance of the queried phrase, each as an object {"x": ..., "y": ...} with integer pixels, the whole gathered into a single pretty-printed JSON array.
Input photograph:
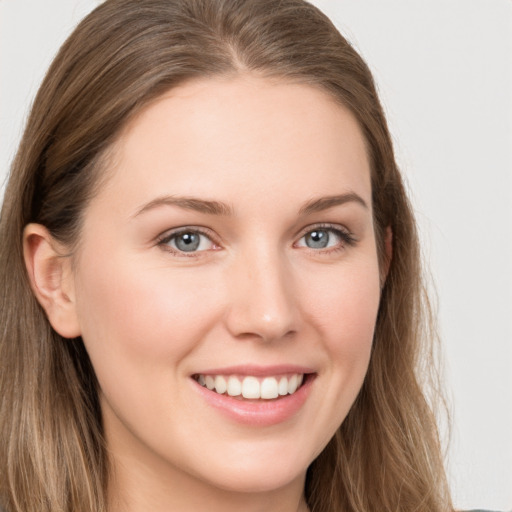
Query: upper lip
[{"x": 256, "y": 370}]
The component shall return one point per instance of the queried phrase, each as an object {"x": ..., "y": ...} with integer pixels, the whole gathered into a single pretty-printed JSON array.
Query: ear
[
  {"x": 51, "y": 279},
  {"x": 388, "y": 254}
]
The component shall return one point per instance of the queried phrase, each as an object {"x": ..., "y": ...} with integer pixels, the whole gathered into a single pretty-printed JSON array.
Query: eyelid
[
  {"x": 164, "y": 238},
  {"x": 348, "y": 238}
]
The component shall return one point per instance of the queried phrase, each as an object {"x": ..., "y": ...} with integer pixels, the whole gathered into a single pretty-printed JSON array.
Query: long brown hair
[{"x": 386, "y": 455}]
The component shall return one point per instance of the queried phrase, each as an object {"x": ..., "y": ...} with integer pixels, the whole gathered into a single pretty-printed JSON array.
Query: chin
[
  {"x": 266, "y": 471},
  {"x": 264, "y": 479}
]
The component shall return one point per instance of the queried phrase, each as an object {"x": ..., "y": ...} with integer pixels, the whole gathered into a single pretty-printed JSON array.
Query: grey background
[{"x": 444, "y": 70}]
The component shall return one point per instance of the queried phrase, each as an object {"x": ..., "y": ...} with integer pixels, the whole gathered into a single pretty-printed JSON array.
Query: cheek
[
  {"x": 345, "y": 305},
  {"x": 345, "y": 314},
  {"x": 134, "y": 315}
]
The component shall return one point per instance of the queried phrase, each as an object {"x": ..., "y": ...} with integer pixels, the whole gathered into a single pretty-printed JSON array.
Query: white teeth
[
  {"x": 250, "y": 387},
  {"x": 220, "y": 384},
  {"x": 269, "y": 388},
  {"x": 283, "y": 386},
  {"x": 234, "y": 387},
  {"x": 209, "y": 381},
  {"x": 292, "y": 384}
]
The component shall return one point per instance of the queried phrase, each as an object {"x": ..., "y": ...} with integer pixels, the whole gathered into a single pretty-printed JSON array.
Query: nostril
[{"x": 265, "y": 336}]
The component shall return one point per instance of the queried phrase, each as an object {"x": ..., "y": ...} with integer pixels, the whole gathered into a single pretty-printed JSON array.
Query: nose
[{"x": 262, "y": 302}]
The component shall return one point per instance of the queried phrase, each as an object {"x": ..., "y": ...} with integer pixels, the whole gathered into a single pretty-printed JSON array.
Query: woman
[{"x": 210, "y": 274}]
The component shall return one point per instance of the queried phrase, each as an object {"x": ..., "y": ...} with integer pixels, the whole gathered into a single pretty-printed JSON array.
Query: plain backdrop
[{"x": 444, "y": 70}]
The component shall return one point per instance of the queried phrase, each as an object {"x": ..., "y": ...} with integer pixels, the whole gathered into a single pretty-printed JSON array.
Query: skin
[{"x": 255, "y": 293}]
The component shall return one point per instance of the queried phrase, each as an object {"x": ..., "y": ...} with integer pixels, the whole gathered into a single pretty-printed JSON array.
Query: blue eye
[
  {"x": 325, "y": 238},
  {"x": 188, "y": 241},
  {"x": 318, "y": 239}
]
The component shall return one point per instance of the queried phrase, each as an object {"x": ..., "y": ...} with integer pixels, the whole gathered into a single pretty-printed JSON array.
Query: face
[{"x": 231, "y": 248}]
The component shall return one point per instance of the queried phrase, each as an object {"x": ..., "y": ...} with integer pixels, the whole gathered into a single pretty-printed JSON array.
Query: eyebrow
[
  {"x": 324, "y": 203},
  {"x": 210, "y": 207},
  {"x": 188, "y": 203}
]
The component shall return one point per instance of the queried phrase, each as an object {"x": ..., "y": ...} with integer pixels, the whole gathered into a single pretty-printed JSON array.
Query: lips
[
  {"x": 255, "y": 395},
  {"x": 252, "y": 386}
]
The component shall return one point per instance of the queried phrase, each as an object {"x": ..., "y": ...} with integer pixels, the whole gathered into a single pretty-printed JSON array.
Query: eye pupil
[
  {"x": 317, "y": 239},
  {"x": 187, "y": 242}
]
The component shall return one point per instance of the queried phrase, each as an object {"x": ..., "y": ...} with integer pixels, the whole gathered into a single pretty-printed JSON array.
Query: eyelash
[
  {"x": 347, "y": 239},
  {"x": 164, "y": 240}
]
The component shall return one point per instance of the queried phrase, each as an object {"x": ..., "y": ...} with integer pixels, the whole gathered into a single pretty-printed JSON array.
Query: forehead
[{"x": 246, "y": 134}]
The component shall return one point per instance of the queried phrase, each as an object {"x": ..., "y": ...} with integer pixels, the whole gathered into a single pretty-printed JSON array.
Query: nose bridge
[{"x": 262, "y": 302}]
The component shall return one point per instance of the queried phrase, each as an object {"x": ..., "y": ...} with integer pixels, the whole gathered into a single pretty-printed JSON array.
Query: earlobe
[{"x": 51, "y": 279}]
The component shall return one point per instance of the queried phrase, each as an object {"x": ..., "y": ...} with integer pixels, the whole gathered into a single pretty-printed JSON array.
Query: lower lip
[{"x": 258, "y": 412}]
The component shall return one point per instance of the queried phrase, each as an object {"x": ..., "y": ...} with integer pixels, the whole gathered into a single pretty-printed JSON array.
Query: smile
[
  {"x": 252, "y": 387},
  {"x": 254, "y": 395}
]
